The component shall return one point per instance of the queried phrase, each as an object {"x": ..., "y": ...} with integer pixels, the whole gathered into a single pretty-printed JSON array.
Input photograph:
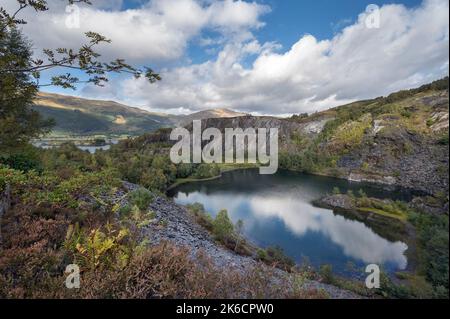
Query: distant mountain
[
  {"x": 184, "y": 120},
  {"x": 78, "y": 116}
]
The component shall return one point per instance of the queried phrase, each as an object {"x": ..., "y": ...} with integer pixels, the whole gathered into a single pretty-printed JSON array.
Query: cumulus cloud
[
  {"x": 410, "y": 48},
  {"x": 158, "y": 30}
]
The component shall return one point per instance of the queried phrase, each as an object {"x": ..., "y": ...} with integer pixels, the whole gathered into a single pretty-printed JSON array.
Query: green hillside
[{"x": 77, "y": 116}]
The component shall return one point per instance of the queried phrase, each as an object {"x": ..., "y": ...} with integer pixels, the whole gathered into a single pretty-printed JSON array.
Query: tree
[
  {"x": 184, "y": 170},
  {"x": 18, "y": 121},
  {"x": 207, "y": 171},
  {"x": 20, "y": 74},
  {"x": 85, "y": 58},
  {"x": 239, "y": 229}
]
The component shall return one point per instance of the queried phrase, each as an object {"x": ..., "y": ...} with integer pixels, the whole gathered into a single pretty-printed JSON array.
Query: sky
[{"x": 275, "y": 57}]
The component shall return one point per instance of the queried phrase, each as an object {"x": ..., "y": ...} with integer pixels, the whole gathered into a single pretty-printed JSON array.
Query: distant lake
[
  {"x": 277, "y": 210},
  {"x": 90, "y": 148}
]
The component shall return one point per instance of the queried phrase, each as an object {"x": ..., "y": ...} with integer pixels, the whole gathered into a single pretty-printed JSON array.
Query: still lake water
[
  {"x": 277, "y": 210},
  {"x": 90, "y": 148}
]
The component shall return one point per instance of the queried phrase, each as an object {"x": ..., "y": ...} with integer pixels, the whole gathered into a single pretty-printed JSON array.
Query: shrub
[
  {"x": 443, "y": 140},
  {"x": 365, "y": 166},
  {"x": 12, "y": 177},
  {"x": 67, "y": 192},
  {"x": 25, "y": 160},
  {"x": 141, "y": 197},
  {"x": 223, "y": 227},
  {"x": 298, "y": 117},
  {"x": 184, "y": 170},
  {"x": 166, "y": 271},
  {"x": 98, "y": 248},
  {"x": 207, "y": 171},
  {"x": 408, "y": 148},
  {"x": 433, "y": 242},
  {"x": 125, "y": 211},
  {"x": 362, "y": 194},
  {"x": 154, "y": 179},
  {"x": 336, "y": 190},
  {"x": 326, "y": 273},
  {"x": 201, "y": 216},
  {"x": 196, "y": 208},
  {"x": 261, "y": 254},
  {"x": 239, "y": 229},
  {"x": 275, "y": 256},
  {"x": 406, "y": 113},
  {"x": 390, "y": 290},
  {"x": 350, "y": 134},
  {"x": 138, "y": 217}
]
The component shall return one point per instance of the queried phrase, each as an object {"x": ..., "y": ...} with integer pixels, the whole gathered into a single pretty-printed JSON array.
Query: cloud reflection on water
[{"x": 299, "y": 217}]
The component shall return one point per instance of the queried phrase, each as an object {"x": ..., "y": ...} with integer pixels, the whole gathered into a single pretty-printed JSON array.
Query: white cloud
[
  {"x": 235, "y": 15},
  {"x": 410, "y": 48},
  {"x": 159, "y": 30}
]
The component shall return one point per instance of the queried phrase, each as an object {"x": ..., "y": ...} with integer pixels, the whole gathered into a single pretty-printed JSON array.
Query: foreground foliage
[{"x": 73, "y": 218}]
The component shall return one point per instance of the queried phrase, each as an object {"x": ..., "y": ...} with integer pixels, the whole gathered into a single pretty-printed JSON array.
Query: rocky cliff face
[
  {"x": 183, "y": 120},
  {"x": 399, "y": 158},
  {"x": 410, "y": 151},
  {"x": 286, "y": 129}
]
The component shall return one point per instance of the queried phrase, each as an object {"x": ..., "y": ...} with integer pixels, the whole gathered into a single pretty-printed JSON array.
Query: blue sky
[
  {"x": 264, "y": 56},
  {"x": 288, "y": 20}
]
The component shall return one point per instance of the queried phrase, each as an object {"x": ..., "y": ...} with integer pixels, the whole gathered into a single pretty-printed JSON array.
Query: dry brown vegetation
[{"x": 44, "y": 234}]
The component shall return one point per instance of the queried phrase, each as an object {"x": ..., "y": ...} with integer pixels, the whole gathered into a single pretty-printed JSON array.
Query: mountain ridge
[{"x": 79, "y": 116}]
